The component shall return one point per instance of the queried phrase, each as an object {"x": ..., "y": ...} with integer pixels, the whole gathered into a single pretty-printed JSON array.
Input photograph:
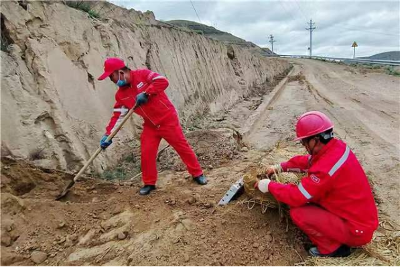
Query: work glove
[
  {"x": 273, "y": 169},
  {"x": 103, "y": 142},
  {"x": 263, "y": 185},
  {"x": 141, "y": 99}
]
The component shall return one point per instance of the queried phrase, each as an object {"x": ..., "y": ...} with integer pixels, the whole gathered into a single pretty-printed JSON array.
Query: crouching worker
[
  {"x": 144, "y": 89},
  {"x": 333, "y": 204}
]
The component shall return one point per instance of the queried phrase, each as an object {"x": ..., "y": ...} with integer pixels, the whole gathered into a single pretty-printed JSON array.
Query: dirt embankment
[{"x": 54, "y": 108}]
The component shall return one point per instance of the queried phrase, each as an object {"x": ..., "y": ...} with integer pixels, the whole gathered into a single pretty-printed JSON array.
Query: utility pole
[
  {"x": 311, "y": 28},
  {"x": 272, "y": 41}
]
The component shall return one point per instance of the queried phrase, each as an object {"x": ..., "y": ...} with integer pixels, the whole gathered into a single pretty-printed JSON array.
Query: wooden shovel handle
[{"x": 108, "y": 139}]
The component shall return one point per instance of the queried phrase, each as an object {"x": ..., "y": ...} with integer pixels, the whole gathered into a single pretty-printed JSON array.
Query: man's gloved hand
[
  {"x": 141, "y": 99},
  {"x": 273, "y": 169},
  {"x": 263, "y": 185},
  {"x": 103, "y": 142}
]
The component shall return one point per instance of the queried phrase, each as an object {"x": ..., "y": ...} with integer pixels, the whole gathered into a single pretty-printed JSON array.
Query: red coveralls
[
  {"x": 341, "y": 207},
  {"x": 160, "y": 121}
]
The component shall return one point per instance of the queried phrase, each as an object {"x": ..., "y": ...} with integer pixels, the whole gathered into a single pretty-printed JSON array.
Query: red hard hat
[
  {"x": 110, "y": 65},
  {"x": 312, "y": 123}
]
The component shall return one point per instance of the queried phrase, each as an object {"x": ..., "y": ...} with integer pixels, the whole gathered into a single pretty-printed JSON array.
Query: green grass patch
[
  {"x": 391, "y": 71},
  {"x": 84, "y": 6},
  {"x": 115, "y": 174}
]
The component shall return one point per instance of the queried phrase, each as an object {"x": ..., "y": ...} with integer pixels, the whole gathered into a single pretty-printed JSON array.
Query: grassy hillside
[
  {"x": 216, "y": 34},
  {"x": 391, "y": 55}
]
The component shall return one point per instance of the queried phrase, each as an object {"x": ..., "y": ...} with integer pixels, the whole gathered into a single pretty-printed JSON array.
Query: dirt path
[{"x": 365, "y": 108}]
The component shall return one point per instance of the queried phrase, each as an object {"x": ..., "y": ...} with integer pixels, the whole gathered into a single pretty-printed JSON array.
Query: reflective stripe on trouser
[
  {"x": 171, "y": 131},
  {"x": 326, "y": 230}
]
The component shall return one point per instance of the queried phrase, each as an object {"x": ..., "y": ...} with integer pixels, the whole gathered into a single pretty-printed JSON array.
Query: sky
[{"x": 374, "y": 25}]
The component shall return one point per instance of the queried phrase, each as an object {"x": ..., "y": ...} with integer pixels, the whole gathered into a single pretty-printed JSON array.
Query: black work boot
[
  {"x": 145, "y": 190},
  {"x": 342, "y": 251},
  {"x": 201, "y": 180}
]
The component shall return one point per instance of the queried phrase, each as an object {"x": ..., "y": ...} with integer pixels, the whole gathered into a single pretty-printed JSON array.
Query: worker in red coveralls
[
  {"x": 144, "y": 89},
  {"x": 333, "y": 204}
]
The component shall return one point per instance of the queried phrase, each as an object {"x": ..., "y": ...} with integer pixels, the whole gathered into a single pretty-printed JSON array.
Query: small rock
[
  {"x": 6, "y": 239},
  {"x": 268, "y": 238},
  {"x": 61, "y": 225},
  {"x": 137, "y": 206},
  {"x": 186, "y": 258},
  {"x": 157, "y": 220},
  {"x": 244, "y": 149},
  {"x": 261, "y": 248},
  {"x": 121, "y": 236},
  {"x": 208, "y": 205},
  {"x": 73, "y": 237},
  {"x": 95, "y": 200},
  {"x": 7, "y": 224},
  {"x": 210, "y": 167},
  {"x": 202, "y": 219},
  {"x": 256, "y": 245},
  {"x": 188, "y": 224},
  {"x": 117, "y": 210},
  {"x": 191, "y": 200},
  {"x": 38, "y": 257},
  {"x": 62, "y": 240}
]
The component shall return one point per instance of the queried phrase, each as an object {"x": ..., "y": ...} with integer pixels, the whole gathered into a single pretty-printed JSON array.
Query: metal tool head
[
  {"x": 232, "y": 192},
  {"x": 66, "y": 190}
]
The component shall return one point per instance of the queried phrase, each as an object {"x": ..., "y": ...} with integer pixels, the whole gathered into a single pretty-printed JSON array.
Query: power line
[
  {"x": 195, "y": 11},
  {"x": 301, "y": 10},
  {"x": 286, "y": 10}
]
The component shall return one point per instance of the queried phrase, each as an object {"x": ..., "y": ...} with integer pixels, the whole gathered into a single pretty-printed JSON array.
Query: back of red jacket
[{"x": 336, "y": 181}]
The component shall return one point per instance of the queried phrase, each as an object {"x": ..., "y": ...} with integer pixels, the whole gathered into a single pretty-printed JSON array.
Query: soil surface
[{"x": 104, "y": 222}]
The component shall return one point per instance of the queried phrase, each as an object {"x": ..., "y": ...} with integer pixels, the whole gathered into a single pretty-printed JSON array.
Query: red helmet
[
  {"x": 312, "y": 123},
  {"x": 110, "y": 65}
]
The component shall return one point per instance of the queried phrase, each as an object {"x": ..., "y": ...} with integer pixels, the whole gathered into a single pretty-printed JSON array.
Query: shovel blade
[{"x": 66, "y": 190}]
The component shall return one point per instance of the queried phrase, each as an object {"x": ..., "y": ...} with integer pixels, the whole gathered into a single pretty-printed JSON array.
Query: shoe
[
  {"x": 145, "y": 190},
  {"x": 342, "y": 251},
  {"x": 201, "y": 180}
]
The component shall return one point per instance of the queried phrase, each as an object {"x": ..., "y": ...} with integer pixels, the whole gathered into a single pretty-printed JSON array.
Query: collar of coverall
[{"x": 324, "y": 149}]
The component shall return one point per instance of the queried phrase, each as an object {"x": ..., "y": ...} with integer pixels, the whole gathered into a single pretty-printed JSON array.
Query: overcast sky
[{"x": 374, "y": 25}]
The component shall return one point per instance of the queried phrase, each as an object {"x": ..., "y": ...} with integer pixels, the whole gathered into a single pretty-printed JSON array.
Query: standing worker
[
  {"x": 144, "y": 89},
  {"x": 333, "y": 204}
]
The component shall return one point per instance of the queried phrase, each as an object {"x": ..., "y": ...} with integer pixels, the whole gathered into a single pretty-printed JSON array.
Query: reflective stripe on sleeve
[
  {"x": 340, "y": 162},
  {"x": 158, "y": 77},
  {"x": 304, "y": 192}
]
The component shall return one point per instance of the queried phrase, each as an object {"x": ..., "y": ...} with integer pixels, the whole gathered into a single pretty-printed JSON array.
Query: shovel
[{"x": 71, "y": 184}]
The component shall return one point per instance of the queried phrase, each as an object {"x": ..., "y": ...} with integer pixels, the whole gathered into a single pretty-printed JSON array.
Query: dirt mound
[
  {"x": 212, "y": 147},
  {"x": 19, "y": 177}
]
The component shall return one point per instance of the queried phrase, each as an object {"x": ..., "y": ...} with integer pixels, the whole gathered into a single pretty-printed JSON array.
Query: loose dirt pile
[{"x": 213, "y": 148}]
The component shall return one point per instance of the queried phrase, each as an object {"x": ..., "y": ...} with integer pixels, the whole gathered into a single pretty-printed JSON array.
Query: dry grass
[{"x": 384, "y": 249}]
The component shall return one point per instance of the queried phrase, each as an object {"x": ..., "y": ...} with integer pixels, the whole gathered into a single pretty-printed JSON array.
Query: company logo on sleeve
[
  {"x": 140, "y": 85},
  {"x": 315, "y": 179}
]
